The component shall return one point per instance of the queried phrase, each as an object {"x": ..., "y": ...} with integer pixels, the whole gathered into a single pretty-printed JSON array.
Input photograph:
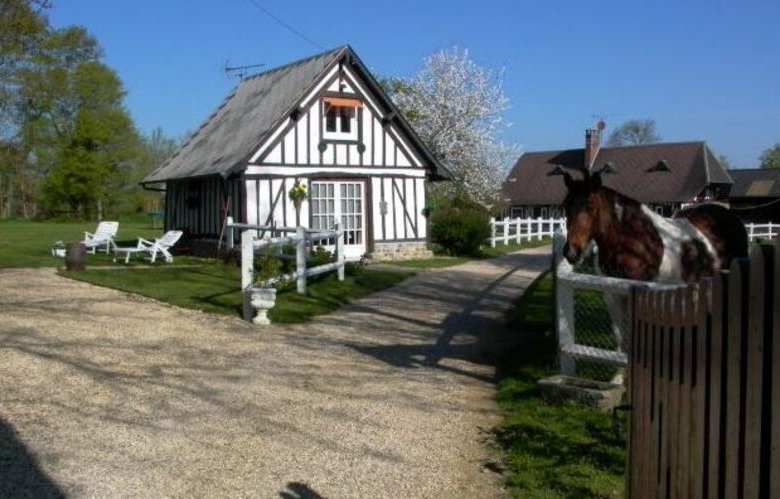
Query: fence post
[
  {"x": 340, "y": 251},
  {"x": 517, "y": 230},
  {"x": 750, "y": 227},
  {"x": 539, "y": 228},
  {"x": 247, "y": 270},
  {"x": 300, "y": 259},
  {"x": 492, "y": 232},
  {"x": 230, "y": 243},
  {"x": 564, "y": 313}
]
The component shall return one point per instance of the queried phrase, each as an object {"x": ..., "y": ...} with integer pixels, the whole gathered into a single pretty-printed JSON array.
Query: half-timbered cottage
[
  {"x": 666, "y": 176},
  {"x": 324, "y": 122}
]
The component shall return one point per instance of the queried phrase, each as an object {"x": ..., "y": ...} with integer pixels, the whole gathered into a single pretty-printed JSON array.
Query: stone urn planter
[{"x": 262, "y": 300}]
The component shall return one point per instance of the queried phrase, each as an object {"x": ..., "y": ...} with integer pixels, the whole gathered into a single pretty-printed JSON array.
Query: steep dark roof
[
  {"x": 759, "y": 182},
  {"x": 651, "y": 173},
  {"x": 224, "y": 142}
]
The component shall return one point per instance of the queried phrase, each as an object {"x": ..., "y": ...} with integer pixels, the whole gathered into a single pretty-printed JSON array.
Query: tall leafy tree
[
  {"x": 457, "y": 108},
  {"x": 633, "y": 133},
  {"x": 94, "y": 143},
  {"x": 23, "y": 27},
  {"x": 62, "y": 120},
  {"x": 771, "y": 157}
]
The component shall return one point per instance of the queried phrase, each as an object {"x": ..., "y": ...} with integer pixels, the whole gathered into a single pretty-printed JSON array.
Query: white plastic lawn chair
[
  {"x": 103, "y": 237},
  {"x": 160, "y": 245}
]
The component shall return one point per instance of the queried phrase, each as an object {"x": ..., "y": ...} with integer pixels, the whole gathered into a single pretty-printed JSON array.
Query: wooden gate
[{"x": 704, "y": 370}]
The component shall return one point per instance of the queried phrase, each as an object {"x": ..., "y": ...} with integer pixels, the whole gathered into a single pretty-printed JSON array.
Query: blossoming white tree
[{"x": 456, "y": 107}]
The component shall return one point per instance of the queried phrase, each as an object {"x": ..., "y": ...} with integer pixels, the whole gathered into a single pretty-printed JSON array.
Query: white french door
[{"x": 345, "y": 202}]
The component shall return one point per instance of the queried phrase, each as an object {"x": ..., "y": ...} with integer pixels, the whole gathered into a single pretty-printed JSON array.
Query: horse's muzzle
[{"x": 571, "y": 253}]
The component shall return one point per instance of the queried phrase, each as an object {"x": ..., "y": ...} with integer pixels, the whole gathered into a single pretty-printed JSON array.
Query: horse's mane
[{"x": 624, "y": 200}]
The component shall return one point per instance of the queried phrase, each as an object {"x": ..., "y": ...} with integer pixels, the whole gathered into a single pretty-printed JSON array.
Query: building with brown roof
[
  {"x": 755, "y": 196},
  {"x": 665, "y": 176}
]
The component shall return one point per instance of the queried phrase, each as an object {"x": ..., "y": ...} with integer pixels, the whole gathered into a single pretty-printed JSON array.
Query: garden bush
[{"x": 460, "y": 229}]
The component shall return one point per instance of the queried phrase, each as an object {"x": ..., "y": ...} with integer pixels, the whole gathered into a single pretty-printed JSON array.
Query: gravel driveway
[{"x": 108, "y": 394}]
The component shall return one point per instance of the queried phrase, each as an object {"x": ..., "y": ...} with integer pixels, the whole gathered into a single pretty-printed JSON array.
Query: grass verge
[
  {"x": 25, "y": 244},
  {"x": 441, "y": 261},
  {"x": 215, "y": 287},
  {"x": 551, "y": 451}
]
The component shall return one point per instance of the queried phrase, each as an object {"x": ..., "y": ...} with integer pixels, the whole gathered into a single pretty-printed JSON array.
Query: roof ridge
[
  {"x": 657, "y": 144},
  {"x": 295, "y": 63}
]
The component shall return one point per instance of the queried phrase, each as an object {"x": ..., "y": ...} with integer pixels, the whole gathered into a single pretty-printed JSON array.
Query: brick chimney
[{"x": 593, "y": 143}]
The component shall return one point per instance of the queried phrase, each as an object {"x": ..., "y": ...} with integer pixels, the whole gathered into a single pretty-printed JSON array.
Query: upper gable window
[{"x": 340, "y": 118}]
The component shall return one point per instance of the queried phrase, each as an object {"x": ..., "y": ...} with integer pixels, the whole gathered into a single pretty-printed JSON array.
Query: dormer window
[{"x": 340, "y": 118}]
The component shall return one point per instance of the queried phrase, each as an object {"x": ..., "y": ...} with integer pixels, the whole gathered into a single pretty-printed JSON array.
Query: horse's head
[{"x": 584, "y": 205}]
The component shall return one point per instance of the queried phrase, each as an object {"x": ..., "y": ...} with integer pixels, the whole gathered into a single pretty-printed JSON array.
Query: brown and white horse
[{"x": 634, "y": 242}]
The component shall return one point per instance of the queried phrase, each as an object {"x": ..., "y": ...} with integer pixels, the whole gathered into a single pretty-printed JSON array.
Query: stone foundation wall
[{"x": 391, "y": 252}]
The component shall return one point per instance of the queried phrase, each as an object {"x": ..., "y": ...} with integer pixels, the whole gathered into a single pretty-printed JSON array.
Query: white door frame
[{"x": 347, "y": 200}]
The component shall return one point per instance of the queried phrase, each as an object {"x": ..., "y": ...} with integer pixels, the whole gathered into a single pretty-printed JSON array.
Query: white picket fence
[
  {"x": 762, "y": 231},
  {"x": 517, "y": 230}
]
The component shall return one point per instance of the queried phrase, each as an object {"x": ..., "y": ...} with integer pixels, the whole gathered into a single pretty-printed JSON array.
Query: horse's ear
[
  {"x": 595, "y": 180},
  {"x": 568, "y": 180}
]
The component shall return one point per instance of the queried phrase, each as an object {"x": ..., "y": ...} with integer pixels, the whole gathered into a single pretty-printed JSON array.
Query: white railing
[
  {"x": 615, "y": 293},
  {"x": 517, "y": 230},
  {"x": 762, "y": 231},
  {"x": 251, "y": 242}
]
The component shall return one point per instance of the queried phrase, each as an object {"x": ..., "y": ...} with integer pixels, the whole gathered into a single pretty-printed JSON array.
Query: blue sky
[{"x": 703, "y": 70}]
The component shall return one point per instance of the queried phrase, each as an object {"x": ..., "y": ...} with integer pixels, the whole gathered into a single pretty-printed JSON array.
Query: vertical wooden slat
[
  {"x": 716, "y": 380},
  {"x": 734, "y": 397},
  {"x": 646, "y": 401},
  {"x": 633, "y": 383},
  {"x": 662, "y": 306},
  {"x": 717, "y": 371},
  {"x": 650, "y": 474},
  {"x": 673, "y": 437},
  {"x": 684, "y": 369},
  {"x": 754, "y": 372},
  {"x": 634, "y": 399},
  {"x": 774, "y": 457},
  {"x": 641, "y": 407},
  {"x": 698, "y": 419},
  {"x": 769, "y": 273}
]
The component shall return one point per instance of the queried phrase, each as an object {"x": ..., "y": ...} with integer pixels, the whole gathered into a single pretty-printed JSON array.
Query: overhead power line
[{"x": 285, "y": 25}]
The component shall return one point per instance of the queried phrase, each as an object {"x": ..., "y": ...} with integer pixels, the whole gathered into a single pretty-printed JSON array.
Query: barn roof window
[
  {"x": 608, "y": 168},
  {"x": 558, "y": 170},
  {"x": 661, "y": 166}
]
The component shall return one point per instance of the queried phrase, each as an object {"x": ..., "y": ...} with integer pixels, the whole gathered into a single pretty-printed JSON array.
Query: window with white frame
[{"x": 339, "y": 118}]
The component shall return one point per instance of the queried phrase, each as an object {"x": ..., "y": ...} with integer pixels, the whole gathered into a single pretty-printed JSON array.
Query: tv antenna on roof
[{"x": 241, "y": 71}]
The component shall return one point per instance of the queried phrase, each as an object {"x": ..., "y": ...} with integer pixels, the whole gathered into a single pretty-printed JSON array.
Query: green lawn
[
  {"x": 215, "y": 287},
  {"x": 28, "y": 244},
  {"x": 551, "y": 451}
]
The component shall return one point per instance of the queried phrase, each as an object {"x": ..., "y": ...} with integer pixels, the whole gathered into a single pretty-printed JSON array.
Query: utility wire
[{"x": 286, "y": 26}]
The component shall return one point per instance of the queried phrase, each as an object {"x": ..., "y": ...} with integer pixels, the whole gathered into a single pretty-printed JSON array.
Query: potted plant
[
  {"x": 298, "y": 193},
  {"x": 262, "y": 295}
]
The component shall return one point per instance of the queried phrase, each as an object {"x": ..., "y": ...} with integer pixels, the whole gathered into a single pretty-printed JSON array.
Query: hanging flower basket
[{"x": 297, "y": 194}]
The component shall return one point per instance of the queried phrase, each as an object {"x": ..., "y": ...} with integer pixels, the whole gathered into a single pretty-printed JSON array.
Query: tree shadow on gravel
[{"x": 20, "y": 473}]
